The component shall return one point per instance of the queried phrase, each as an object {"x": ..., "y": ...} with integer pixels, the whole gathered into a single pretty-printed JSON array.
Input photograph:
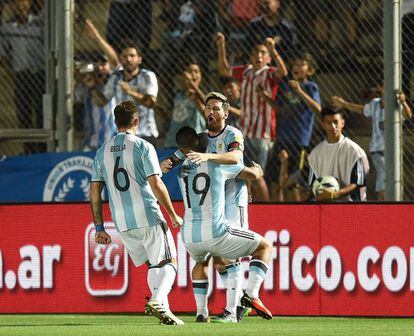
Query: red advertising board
[{"x": 327, "y": 260}]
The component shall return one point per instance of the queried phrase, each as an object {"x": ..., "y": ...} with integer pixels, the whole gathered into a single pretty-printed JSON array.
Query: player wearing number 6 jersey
[
  {"x": 205, "y": 231},
  {"x": 128, "y": 166}
]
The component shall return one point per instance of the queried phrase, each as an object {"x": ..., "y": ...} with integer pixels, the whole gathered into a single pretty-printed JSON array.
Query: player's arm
[
  {"x": 101, "y": 237},
  {"x": 251, "y": 173},
  {"x": 170, "y": 162},
  {"x": 224, "y": 68},
  {"x": 339, "y": 102},
  {"x": 161, "y": 193},
  {"x": 232, "y": 157},
  {"x": 358, "y": 180},
  {"x": 341, "y": 193}
]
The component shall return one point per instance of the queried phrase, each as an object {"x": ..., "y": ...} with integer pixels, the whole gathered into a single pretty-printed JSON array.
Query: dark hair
[
  {"x": 327, "y": 110},
  {"x": 220, "y": 97},
  {"x": 306, "y": 57},
  {"x": 187, "y": 137},
  {"x": 228, "y": 80},
  {"x": 130, "y": 43},
  {"x": 125, "y": 114}
]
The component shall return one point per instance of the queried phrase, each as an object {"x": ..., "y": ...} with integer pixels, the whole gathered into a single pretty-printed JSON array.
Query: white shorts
[
  {"x": 235, "y": 243},
  {"x": 152, "y": 243},
  {"x": 237, "y": 217}
]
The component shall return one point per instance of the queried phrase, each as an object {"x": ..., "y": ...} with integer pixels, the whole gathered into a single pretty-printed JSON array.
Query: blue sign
[{"x": 58, "y": 177}]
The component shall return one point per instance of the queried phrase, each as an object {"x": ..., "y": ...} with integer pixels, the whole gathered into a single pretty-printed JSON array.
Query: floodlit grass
[{"x": 91, "y": 325}]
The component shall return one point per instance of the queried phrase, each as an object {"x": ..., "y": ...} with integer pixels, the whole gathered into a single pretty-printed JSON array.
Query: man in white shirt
[{"x": 340, "y": 157}]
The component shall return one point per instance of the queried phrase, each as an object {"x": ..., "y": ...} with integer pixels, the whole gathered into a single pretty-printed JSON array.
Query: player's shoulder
[
  {"x": 138, "y": 143},
  {"x": 352, "y": 145},
  {"x": 232, "y": 130}
]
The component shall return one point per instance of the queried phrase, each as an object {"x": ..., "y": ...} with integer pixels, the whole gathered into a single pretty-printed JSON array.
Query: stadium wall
[{"x": 327, "y": 260}]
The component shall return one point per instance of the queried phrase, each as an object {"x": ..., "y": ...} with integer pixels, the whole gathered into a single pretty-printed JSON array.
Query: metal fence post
[
  {"x": 65, "y": 11},
  {"x": 392, "y": 80}
]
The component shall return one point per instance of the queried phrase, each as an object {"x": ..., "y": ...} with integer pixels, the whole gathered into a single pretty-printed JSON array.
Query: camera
[{"x": 85, "y": 68}]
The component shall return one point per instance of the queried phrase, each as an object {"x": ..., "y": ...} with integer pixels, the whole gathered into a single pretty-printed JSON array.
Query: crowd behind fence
[{"x": 189, "y": 48}]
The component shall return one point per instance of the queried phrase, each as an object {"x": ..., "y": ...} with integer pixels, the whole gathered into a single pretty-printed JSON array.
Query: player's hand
[
  {"x": 325, "y": 196},
  {"x": 166, "y": 165},
  {"x": 220, "y": 40},
  {"x": 124, "y": 86},
  {"x": 259, "y": 168},
  {"x": 249, "y": 198},
  {"x": 102, "y": 237},
  {"x": 336, "y": 102},
  {"x": 294, "y": 85},
  {"x": 176, "y": 221},
  {"x": 197, "y": 158},
  {"x": 91, "y": 30}
]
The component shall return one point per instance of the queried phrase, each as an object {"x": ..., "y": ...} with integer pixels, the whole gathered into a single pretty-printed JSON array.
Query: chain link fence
[
  {"x": 340, "y": 43},
  {"x": 22, "y": 70}
]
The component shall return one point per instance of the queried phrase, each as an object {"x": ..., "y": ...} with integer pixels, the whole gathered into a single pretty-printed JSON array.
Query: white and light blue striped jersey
[
  {"x": 236, "y": 190},
  {"x": 202, "y": 186},
  {"x": 373, "y": 109},
  {"x": 145, "y": 83},
  {"x": 124, "y": 163},
  {"x": 98, "y": 121}
]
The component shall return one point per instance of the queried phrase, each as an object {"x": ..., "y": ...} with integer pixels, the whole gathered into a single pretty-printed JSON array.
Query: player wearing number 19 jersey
[
  {"x": 205, "y": 231},
  {"x": 129, "y": 168}
]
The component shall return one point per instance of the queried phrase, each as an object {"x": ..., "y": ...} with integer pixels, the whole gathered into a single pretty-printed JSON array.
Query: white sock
[
  {"x": 257, "y": 273},
  {"x": 240, "y": 276},
  {"x": 166, "y": 278},
  {"x": 224, "y": 276},
  {"x": 200, "y": 290},
  {"x": 233, "y": 286},
  {"x": 153, "y": 279}
]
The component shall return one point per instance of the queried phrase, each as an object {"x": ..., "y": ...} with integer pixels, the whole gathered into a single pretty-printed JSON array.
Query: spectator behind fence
[
  {"x": 98, "y": 118},
  {"x": 271, "y": 24},
  {"x": 92, "y": 74},
  {"x": 340, "y": 157},
  {"x": 232, "y": 90},
  {"x": 131, "y": 82},
  {"x": 235, "y": 16},
  {"x": 129, "y": 19},
  {"x": 188, "y": 107},
  {"x": 297, "y": 101},
  {"x": 21, "y": 45},
  {"x": 258, "y": 122},
  {"x": 375, "y": 110}
]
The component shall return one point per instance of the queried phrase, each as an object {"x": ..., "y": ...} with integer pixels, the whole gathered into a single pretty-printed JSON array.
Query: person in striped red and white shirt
[{"x": 258, "y": 120}]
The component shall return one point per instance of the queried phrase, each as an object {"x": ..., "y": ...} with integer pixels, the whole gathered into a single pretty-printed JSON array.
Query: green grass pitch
[{"x": 91, "y": 325}]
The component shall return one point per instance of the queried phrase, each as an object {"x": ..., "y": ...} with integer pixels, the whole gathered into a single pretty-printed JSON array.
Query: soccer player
[
  {"x": 128, "y": 166},
  {"x": 340, "y": 157},
  {"x": 225, "y": 146},
  {"x": 205, "y": 231}
]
